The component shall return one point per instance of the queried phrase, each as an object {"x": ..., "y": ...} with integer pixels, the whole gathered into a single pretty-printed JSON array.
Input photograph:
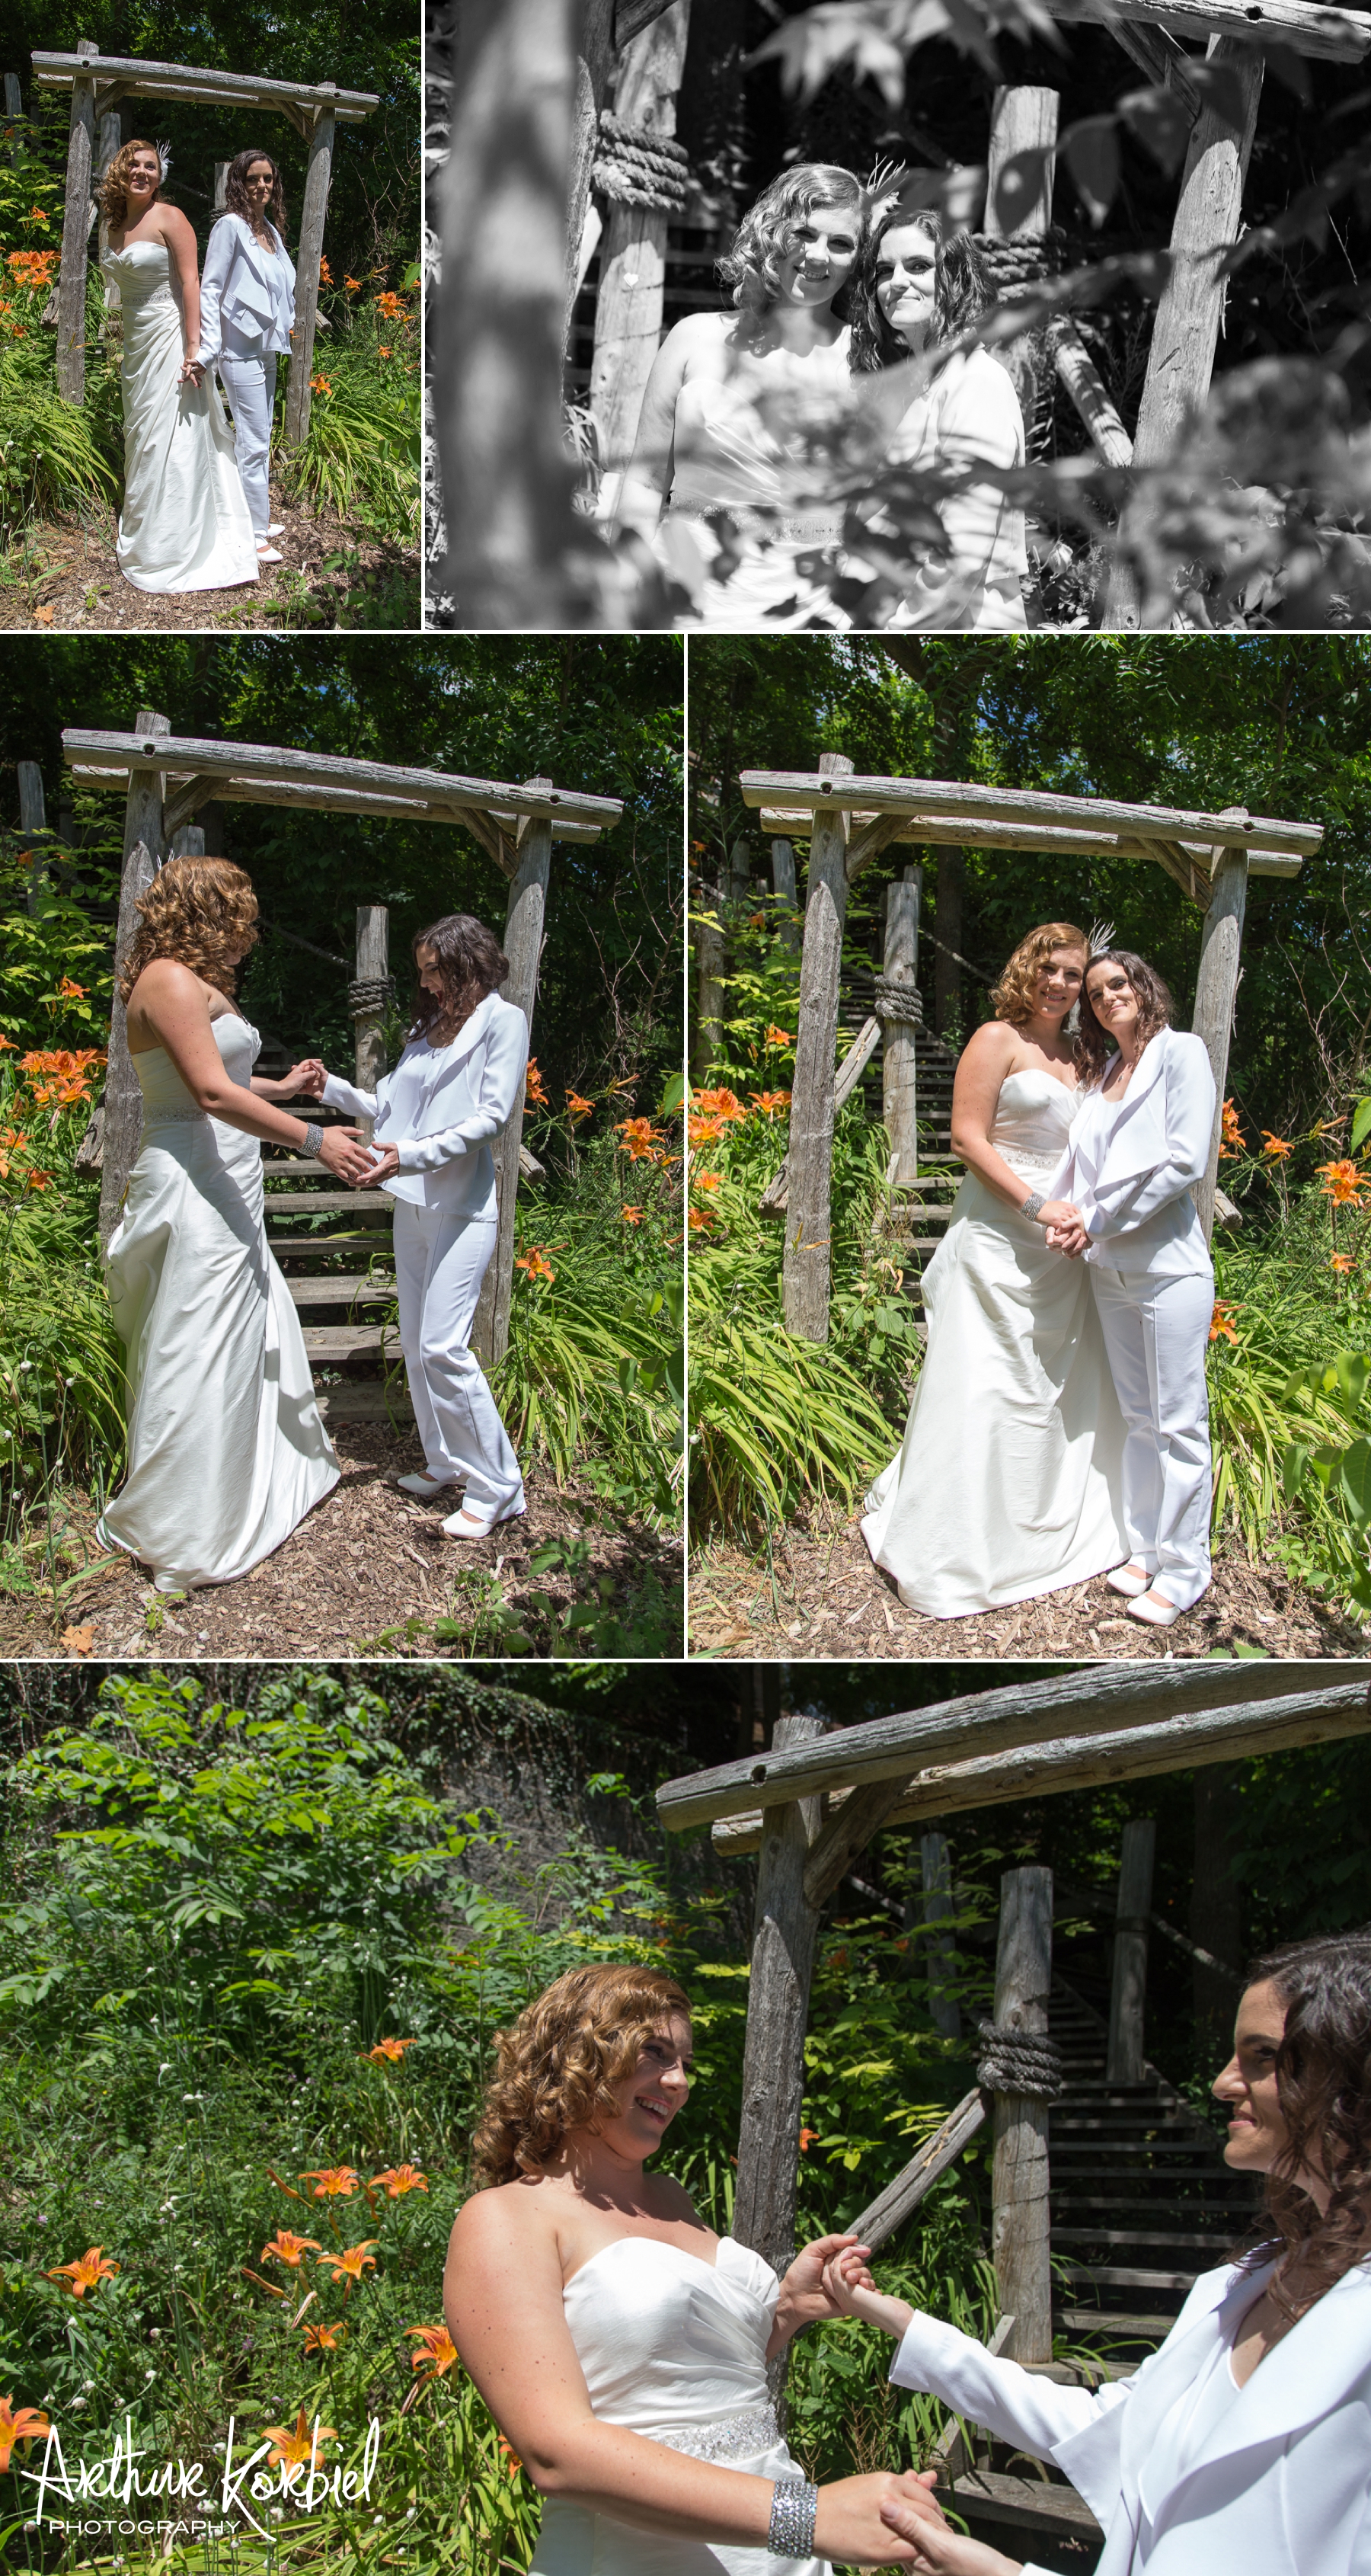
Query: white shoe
[
  {"x": 1154, "y": 1610},
  {"x": 1129, "y": 1578},
  {"x": 464, "y": 1524},
  {"x": 269, "y": 554},
  {"x": 277, "y": 528},
  {"x": 423, "y": 1485}
]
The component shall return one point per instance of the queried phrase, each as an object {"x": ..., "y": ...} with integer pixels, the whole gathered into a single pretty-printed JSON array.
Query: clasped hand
[
  {"x": 363, "y": 1167},
  {"x": 1061, "y": 1222}
]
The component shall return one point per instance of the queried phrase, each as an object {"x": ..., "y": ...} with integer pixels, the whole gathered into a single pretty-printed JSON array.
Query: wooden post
[
  {"x": 594, "y": 64},
  {"x": 71, "y": 283},
  {"x": 1127, "y": 2003},
  {"x": 188, "y": 843},
  {"x": 709, "y": 992},
  {"x": 1215, "y": 1906},
  {"x": 809, "y": 1158},
  {"x": 938, "y": 1905},
  {"x": 740, "y": 870},
  {"x": 313, "y": 210},
  {"x": 33, "y": 823},
  {"x": 628, "y": 307},
  {"x": 1020, "y": 2224},
  {"x": 221, "y": 171},
  {"x": 1022, "y": 120},
  {"x": 783, "y": 888},
  {"x": 106, "y": 148},
  {"x": 1208, "y": 214},
  {"x": 1216, "y": 993},
  {"x": 144, "y": 848},
  {"x": 523, "y": 948},
  {"x": 899, "y": 1026},
  {"x": 373, "y": 966},
  {"x": 14, "y": 98},
  {"x": 784, "y": 1932}
]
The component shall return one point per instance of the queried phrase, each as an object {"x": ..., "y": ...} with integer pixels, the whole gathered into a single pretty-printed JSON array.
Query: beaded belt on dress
[
  {"x": 729, "y": 2437},
  {"x": 751, "y": 522},
  {"x": 165, "y": 1117},
  {"x": 1024, "y": 1159}
]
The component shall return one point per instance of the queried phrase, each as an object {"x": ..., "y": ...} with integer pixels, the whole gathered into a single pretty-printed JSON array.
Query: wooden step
[
  {"x": 291, "y": 1167},
  {"x": 284, "y": 1246},
  {"x": 1128, "y": 2328},
  {"x": 1025, "y": 2504},
  {"x": 1122, "y": 2276},
  {"x": 367, "y": 1206},
  {"x": 1139, "y": 2236},
  {"x": 341, "y": 1292},
  {"x": 327, "y": 1344},
  {"x": 366, "y": 1400}
]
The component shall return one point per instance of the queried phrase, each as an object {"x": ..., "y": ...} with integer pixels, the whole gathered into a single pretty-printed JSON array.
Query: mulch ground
[
  {"x": 369, "y": 1572},
  {"x": 332, "y": 573},
  {"x": 822, "y": 1596}
]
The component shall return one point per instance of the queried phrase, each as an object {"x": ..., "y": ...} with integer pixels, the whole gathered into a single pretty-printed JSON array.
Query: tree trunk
[
  {"x": 947, "y": 973},
  {"x": 1021, "y": 2236},
  {"x": 708, "y": 1017},
  {"x": 1128, "y": 2000},
  {"x": 1208, "y": 218},
  {"x": 144, "y": 848},
  {"x": 938, "y": 1905},
  {"x": 809, "y": 1160},
  {"x": 33, "y": 823},
  {"x": 594, "y": 64}
]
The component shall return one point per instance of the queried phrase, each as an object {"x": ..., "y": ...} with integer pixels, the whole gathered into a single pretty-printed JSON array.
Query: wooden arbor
[
  {"x": 166, "y": 781},
  {"x": 850, "y": 819},
  {"x": 97, "y": 83},
  {"x": 811, "y": 1805}
]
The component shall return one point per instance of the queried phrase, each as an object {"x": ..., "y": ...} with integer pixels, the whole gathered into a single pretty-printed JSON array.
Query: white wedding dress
[
  {"x": 1010, "y": 1479},
  {"x": 673, "y": 2348},
  {"x": 185, "y": 523},
  {"x": 226, "y": 1448}
]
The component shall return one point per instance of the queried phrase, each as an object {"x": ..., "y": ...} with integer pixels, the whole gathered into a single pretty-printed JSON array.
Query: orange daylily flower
[
  {"x": 720, "y": 1104},
  {"x": 578, "y": 1107},
  {"x": 71, "y": 992},
  {"x": 38, "y": 1180},
  {"x": 1343, "y": 1262},
  {"x": 436, "y": 2352},
  {"x": 705, "y": 1180},
  {"x": 7, "y": 1042},
  {"x": 807, "y": 2138},
  {"x": 779, "y": 1038},
  {"x": 1222, "y": 1326},
  {"x": 300, "y": 2447},
  {"x": 391, "y": 306},
  {"x": 770, "y": 1101},
  {"x": 85, "y": 2275},
  {"x": 1275, "y": 1147},
  {"x": 353, "y": 285},
  {"x": 642, "y": 1141},
  {"x": 288, "y": 2248},
  {"x": 383, "y": 352},
  {"x": 325, "y": 273},
  {"x": 398, "y": 2179},
  {"x": 1233, "y": 1141},
  {"x": 1342, "y": 1183},
  {"x": 321, "y": 384},
  {"x": 534, "y": 1095},
  {"x": 513, "y": 2463},
  {"x": 23, "y": 2427},
  {"x": 701, "y": 1220},
  {"x": 534, "y": 1264},
  {"x": 333, "y": 2182},
  {"x": 323, "y": 2338},
  {"x": 70, "y": 1061},
  {"x": 388, "y": 2052},
  {"x": 354, "y": 2261},
  {"x": 631, "y": 1215}
]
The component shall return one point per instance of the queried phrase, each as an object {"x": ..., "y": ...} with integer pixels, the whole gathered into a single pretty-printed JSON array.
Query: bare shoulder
[
  {"x": 990, "y": 1048},
  {"x": 507, "y": 2216},
  {"x": 176, "y": 227},
  {"x": 675, "y": 2200},
  {"x": 166, "y": 979}
]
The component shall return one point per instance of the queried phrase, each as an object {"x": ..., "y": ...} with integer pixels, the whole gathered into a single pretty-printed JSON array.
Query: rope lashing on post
[
  {"x": 370, "y": 996},
  {"x": 1015, "y": 2062},
  {"x": 902, "y": 1003},
  {"x": 635, "y": 166}
]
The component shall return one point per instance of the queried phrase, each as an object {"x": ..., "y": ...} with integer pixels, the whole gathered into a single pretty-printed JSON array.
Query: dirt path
[
  {"x": 822, "y": 1596},
  {"x": 370, "y": 1573},
  {"x": 333, "y": 573}
]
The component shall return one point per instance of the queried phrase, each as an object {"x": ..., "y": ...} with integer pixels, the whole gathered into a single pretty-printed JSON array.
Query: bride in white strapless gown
[
  {"x": 185, "y": 523},
  {"x": 628, "y": 2367},
  {"x": 1009, "y": 1481},
  {"x": 226, "y": 1449}
]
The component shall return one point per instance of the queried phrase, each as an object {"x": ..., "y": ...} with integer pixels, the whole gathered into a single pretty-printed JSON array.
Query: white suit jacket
[
  {"x": 1282, "y": 2486},
  {"x": 441, "y": 1104},
  {"x": 240, "y": 316},
  {"x": 1131, "y": 1164}
]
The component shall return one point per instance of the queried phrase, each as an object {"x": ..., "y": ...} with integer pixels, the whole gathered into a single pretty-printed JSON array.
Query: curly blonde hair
[
  {"x": 197, "y": 911},
  {"x": 771, "y": 229},
  {"x": 1015, "y": 996},
  {"x": 113, "y": 201},
  {"x": 561, "y": 2065}
]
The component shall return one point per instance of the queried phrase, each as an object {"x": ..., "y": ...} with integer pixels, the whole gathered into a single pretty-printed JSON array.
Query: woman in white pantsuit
[
  {"x": 458, "y": 1082},
  {"x": 1239, "y": 2447},
  {"x": 1137, "y": 1147},
  {"x": 247, "y": 313}
]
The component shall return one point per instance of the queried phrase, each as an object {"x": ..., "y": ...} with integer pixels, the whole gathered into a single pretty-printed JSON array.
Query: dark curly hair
[
  {"x": 561, "y": 2065},
  {"x": 199, "y": 912},
  {"x": 1323, "y": 2086},
  {"x": 1094, "y": 1045},
  {"x": 961, "y": 288},
  {"x": 770, "y": 230},
  {"x": 236, "y": 191},
  {"x": 471, "y": 963}
]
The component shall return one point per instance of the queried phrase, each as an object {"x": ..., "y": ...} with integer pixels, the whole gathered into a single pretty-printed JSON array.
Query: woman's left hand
[
  {"x": 308, "y": 1077},
  {"x": 805, "y": 2296},
  {"x": 192, "y": 373},
  {"x": 384, "y": 1168},
  {"x": 941, "y": 2550},
  {"x": 1071, "y": 1239}
]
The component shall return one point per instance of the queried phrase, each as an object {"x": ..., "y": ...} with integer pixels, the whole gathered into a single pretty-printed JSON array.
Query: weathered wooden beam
[
  {"x": 274, "y": 763},
  {"x": 845, "y": 1832},
  {"x": 186, "y": 80},
  {"x": 900, "y": 2198},
  {"x": 1089, "y": 392},
  {"x": 1325, "y": 35},
  {"x": 868, "y": 844},
  {"x": 1184, "y": 870},
  {"x": 1020, "y": 2224},
  {"x": 308, "y": 264},
  {"x": 1156, "y": 52},
  {"x": 783, "y": 1940},
  {"x": 1088, "y": 1762},
  {"x": 629, "y": 302},
  {"x": 775, "y": 1198},
  {"x": 1126, "y": 2059},
  {"x": 829, "y": 792},
  {"x": 933, "y": 830},
  {"x": 1208, "y": 217},
  {"x": 342, "y": 800},
  {"x": 809, "y": 1160},
  {"x": 76, "y": 209},
  {"x": 523, "y": 945},
  {"x": 1216, "y": 996},
  {"x": 144, "y": 848},
  {"x": 899, "y": 1058},
  {"x": 186, "y": 801},
  {"x": 1023, "y": 139},
  {"x": 1092, "y": 1699}
]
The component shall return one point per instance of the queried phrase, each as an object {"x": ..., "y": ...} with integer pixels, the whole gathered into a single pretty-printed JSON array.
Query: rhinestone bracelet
[
  {"x": 314, "y": 1136},
  {"x": 1032, "y": 1204},
  {"x": 794, "y": 2504}
]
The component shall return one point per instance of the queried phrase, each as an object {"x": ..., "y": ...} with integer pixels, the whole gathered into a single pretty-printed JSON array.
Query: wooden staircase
[
  {"x": 1141, "y": 2203},
  {"x": 341, "y": 1277},
  {"x": 910, "y": 1228}
]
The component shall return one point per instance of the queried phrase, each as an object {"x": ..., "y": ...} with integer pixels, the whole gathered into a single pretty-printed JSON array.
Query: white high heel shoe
[
  {"x": 1129, "y": 1578},
  {"x": 423, "y": 1485},
  {"x": 464, "y": 1524},
  {"x": 1154, "y": 1610}
]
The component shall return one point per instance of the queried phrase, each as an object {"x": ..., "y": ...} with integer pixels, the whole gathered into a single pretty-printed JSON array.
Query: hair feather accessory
[
  {"x": 164, "y": 157},
  {"x": 1101, "y": 938},
  {"x": 882, "y": 186}
]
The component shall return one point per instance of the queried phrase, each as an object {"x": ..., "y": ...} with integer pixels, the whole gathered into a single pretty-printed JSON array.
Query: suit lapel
[{"x": 1304, "y": 2377}]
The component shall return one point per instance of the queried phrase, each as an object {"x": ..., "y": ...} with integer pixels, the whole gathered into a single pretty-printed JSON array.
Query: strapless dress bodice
[
  {"x": 166, "y": 1096},
  {"x": 674, "y": 2347},
  {"x": 1032, "y": 1122},
  {"x": 141, "y": 271}
]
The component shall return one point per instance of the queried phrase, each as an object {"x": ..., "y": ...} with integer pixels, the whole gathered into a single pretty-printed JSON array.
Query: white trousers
[
  {"x": 440, "y": 1262},
  {"x": 250, "y": 384},
  {"x": 1156, "y": 1332}
]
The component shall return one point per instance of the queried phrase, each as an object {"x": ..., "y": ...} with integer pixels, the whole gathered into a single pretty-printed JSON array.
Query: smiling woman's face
[
  {"x": 906, "y": 282},
  {"x": 651, "y": 2096},
  {"x": 143, "y": 178},
  {"x": 1247, "y": 2087},
  {"x": 823, "y": 257}
]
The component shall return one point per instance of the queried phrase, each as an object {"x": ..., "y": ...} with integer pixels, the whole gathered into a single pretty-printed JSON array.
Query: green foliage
[{"x": 360, "y": 457}]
